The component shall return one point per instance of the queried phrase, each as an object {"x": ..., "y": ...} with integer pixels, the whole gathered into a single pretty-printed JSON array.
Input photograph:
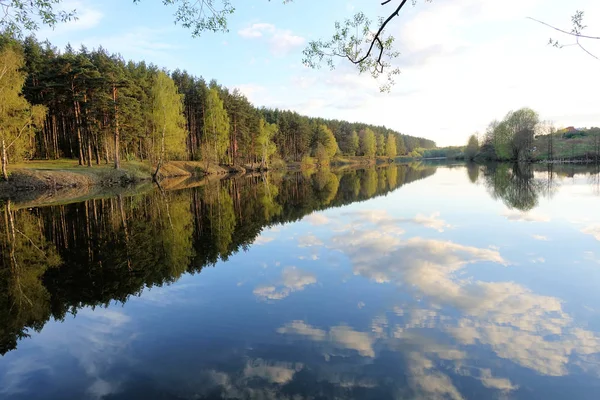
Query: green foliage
[
  {"x": 266, "y": 147},
  {"x": 325, "y": 144},
  {"x": 216, "y": 124},
  {"x": 22, "y": 15},
  {"x": 512, "y": 138},
  {"x": 354, "y": 144},
  {"x": 18, "y": 118},
  {"x": 201, "y": 16},
  {"x": 168, "y": 123},
  {"x": 380, "y": 140},
  {"x": 56, "y": 260},
  {"x": 400, "y": 146},
  {"x": 101, "y": 108},
  {"x": 390, "y": 146},
  {"x": 368, "y": 144},
  {"x": 472, "y": 147}
]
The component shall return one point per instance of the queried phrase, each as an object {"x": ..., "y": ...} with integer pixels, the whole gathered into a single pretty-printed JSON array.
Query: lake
[{"x": 430, "y": 281}]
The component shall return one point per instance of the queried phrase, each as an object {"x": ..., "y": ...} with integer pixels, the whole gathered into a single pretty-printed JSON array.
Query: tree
[
  {"x": 472, "y": 148},
  {"x": 400, "y": 146},
  {"x": 380, "y": 139},
  {"x": 390, "y": 146},
  {"x": 266, "y": 147},
  {"x": 168, "y": 122},
  {"x": 324, "y": 137},
  {"x": 512, "y": 138},
  {"x": 18, "y": 118},
  {"x": 216, "y": 124},
  {"x": 368, "y": 144},
  {"x": 521, "y": 125},
  {"x": 28, "y": 15},
  {"x": 353, "y": 144}
]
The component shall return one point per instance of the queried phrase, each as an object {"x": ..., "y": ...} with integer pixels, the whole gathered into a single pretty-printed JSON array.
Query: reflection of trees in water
[
  {"x": 58, "y": 259},
  {"x": 594, "y": 180},
  {"x": 26, "y": 255},
  {"x": 473, "y": 172},
  {"x": 517, "y": 186}
]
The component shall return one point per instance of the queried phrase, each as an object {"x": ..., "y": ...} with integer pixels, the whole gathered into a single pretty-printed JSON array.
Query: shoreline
[{"x": 38, "y": 183}]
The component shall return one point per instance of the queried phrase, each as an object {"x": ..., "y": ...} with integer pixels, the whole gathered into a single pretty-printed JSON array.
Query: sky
[{"x": 463, "y": 63}]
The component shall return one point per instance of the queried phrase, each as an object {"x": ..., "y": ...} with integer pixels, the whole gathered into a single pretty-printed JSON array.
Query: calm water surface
[{"x": 404, "y": 282}]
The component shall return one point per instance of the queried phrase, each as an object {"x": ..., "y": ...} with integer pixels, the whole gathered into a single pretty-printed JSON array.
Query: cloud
[
  {"x": 385, "y": 221},
  {"x": 427, "y": 381},
  {"x": 281, "y": 41},
  {"x": 274, "y": 372},
  {"x": 519, "y": 216},
  {"x": 261, "y": 240},
  {"x": 340, "y": 337},
  {"x": 292, "y": 280},
  {"x": 492, "y": 382},
  {"x": 593, "y": 230},
  {"x": 541, "y": 238},
  {"x": 284, "y": 41},
  {"x": 309, "y": 241},
  {"x": 317, "y": 219},
  {"x": 88, "y": 17}
]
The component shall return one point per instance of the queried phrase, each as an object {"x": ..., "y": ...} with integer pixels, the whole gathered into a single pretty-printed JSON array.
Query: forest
[{"x": 98, "y": 108}]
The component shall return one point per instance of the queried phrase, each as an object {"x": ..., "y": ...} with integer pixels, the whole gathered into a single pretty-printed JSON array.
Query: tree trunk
[
  {"x": 78, "y": 128},
  {"x": 117, "y": 136},
  {"x": 4, "y": 162},
  {"x": 162, "y": 152}
]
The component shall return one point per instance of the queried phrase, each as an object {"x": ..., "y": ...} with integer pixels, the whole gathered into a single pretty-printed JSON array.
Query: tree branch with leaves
[{"x": 576, "y": 32}]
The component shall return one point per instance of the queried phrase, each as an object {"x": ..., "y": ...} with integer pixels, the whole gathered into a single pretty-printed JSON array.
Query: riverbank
[
  {"x": 67, "y": 174},
  {"x": 64, "y": 181}
]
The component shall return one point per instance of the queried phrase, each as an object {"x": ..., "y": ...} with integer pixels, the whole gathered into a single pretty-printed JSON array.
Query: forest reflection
[
  {"x": 58, "y": 259},
  {"x": 521, "y": 186}
]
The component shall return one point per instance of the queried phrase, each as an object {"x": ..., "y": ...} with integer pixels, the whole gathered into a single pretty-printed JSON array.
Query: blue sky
[{"x": 463, "y": 62}]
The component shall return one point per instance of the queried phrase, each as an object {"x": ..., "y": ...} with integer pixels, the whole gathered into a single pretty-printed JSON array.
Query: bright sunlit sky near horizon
[{"x": 463, "y": 62}]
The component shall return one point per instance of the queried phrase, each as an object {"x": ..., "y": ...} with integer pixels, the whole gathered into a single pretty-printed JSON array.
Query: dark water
[{"x": 404, "y": 282}]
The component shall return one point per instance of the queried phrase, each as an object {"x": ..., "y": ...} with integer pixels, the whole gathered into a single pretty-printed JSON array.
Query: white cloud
[
  {"x": 292, "y": 280},
  {"x": 88, "y": 17},
  {"x": 453, "y": 55},
  {"x": 261, "y": 240},
  {"x": 521, "y": 216},
  {"x": 284, "y": 41},
  {"x": 317, "y": 219},
  {"x": 390, "y": 224},
  {"x": 593, "y": 230},
  {"x": 341, "y": 337},
  {"x": 540, "y": 238},
  {"x": 281, "y": 41},
  {"x": 274, "y": 372},
  {"x": 492, "y": 382},
  {"x": 257, "y": 30},
  {"x": 309, "y": 241}
]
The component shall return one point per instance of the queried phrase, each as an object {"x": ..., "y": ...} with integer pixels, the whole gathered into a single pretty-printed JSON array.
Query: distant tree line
[
  {"x": 96, "y": 107},
  {"x": 522, "y": 136}
]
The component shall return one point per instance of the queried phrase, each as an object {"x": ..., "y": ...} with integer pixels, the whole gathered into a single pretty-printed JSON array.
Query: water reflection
[
  {"x": 58, "y": 259},
  {"x": 432, "y": 291}
]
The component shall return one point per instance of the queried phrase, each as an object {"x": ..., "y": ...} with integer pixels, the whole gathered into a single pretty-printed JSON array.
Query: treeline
[
  {"x": 98, "y": 108},
  {"x": 55, "y": 260},
  {"x": 522, "y": 136}
]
